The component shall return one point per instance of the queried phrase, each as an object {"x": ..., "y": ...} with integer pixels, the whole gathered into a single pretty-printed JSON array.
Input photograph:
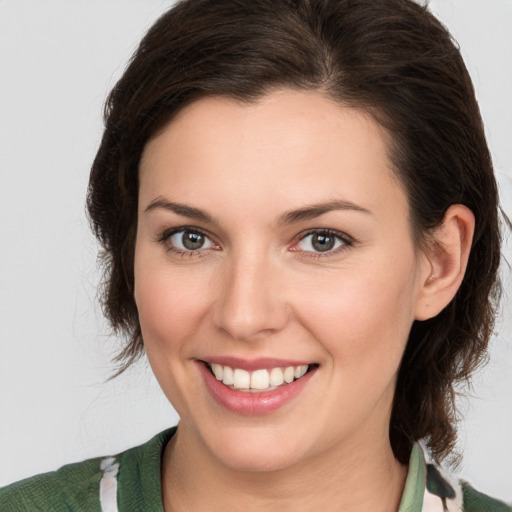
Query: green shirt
[{"x": 130, "y": 482}]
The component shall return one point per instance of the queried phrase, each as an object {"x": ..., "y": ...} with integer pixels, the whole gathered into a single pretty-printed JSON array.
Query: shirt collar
[{"x": 429, "y": 488}]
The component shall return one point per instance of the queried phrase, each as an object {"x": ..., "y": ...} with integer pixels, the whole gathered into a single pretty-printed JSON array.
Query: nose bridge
[{"x": 249, "y": 304}]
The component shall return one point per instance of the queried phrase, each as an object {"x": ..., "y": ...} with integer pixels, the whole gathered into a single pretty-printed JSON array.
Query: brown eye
[
  {"x": 188, "y": 240},
  {"x": 191, "y": 240},
  {"x": 323, "y": 242}
]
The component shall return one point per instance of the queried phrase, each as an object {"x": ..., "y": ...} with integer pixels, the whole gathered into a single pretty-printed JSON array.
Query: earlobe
[{"x": 446, "y": 255}]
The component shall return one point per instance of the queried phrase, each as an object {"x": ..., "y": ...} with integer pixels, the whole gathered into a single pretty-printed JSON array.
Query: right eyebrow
[{"x": 180, "y": 209}]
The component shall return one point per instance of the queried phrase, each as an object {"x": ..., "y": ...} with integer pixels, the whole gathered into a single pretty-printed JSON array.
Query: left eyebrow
[{"x": 315, "y": 210}]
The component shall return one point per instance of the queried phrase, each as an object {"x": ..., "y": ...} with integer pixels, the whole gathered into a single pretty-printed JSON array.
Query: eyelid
[
  {"x": 172, "y": 231},
  {"x": 347, "y": 242},
  {"x": 165, "y": 236}
]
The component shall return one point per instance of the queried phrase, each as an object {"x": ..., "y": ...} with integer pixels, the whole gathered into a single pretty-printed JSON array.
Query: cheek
[
  {"x": 170, "y": 307},
  {"x": 170, "y": 304},
  {"x": 363, "y": 318}
]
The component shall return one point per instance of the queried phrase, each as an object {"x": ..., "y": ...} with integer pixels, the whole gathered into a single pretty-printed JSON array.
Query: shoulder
[
  {"x": 457, "y": 494},
  {"x": 72, "y": 487},
  {"x": 475, "y": 501},
  {"x": 432, "y": 488},
  {"x": 84, "y": 486}
]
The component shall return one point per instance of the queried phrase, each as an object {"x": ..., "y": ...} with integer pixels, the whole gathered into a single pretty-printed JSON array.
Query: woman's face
[{"x": 274, "y": 235}]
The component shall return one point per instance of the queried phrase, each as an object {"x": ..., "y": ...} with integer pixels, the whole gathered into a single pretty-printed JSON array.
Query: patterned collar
[{"x": 429, "y": 488}]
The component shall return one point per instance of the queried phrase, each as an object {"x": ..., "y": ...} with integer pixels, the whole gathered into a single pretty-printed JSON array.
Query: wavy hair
[{"x": 392, "y": 58}]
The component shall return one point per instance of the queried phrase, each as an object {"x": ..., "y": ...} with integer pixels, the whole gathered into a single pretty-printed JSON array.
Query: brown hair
[{"x": 391, "y": 58}]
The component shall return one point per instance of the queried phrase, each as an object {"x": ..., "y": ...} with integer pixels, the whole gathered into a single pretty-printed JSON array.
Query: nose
[{"x": 250, "y": 303}]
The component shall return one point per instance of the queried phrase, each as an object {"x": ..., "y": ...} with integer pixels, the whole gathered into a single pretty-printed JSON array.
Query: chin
[
  {"x": 256, "y": 461},
  {"x": 256, "y": 452}
]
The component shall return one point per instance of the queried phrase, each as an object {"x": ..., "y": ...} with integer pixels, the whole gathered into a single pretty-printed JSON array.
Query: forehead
[{"x": 285, "y": 148}]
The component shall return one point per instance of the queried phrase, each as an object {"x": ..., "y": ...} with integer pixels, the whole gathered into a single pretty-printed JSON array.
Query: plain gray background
[{"x": 58, "y": 59}]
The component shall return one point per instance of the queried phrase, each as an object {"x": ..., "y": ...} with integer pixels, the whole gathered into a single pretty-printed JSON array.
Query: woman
[{"x": 299, "y": 218}]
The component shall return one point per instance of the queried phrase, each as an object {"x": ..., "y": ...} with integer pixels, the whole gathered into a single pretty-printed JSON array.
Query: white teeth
[
  {"x": 276, "y": 377},
  {"x": 218, "y": 371},
  {"x": 242, "y": 379},
  {"x": 289, "y": 374},
  {"x": 258, "y": 380},
  {"x": 228, "y": 376},
  {"x": 301, "y": 371}
]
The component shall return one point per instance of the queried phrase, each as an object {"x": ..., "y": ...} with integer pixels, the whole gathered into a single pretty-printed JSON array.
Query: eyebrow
[
  {"x": 291, "y": 217},
  {"x": 315, "y": 210},
  {"x": 181, "y": 209}
]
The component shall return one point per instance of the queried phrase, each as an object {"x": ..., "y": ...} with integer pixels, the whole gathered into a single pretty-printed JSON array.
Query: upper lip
[{"x": 254, "y": 364}]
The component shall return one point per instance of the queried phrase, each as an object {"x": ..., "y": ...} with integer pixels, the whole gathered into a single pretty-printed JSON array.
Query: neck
[{"x": 363, "y": 477}]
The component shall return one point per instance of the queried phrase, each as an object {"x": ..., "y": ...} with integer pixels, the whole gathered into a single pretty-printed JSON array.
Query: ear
[{"x": 446, "y": 259}]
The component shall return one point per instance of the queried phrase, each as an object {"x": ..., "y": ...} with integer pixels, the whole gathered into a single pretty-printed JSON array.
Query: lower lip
[{"x": 248, "y": 403}]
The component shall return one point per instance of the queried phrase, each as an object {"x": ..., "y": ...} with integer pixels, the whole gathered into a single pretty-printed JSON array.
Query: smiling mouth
[{"x": 258, "y": 380}]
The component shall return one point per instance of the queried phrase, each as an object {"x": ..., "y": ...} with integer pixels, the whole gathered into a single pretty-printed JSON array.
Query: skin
[{"x": 258, "y": 288}]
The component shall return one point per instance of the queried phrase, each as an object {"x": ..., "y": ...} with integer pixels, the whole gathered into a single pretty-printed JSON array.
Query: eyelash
[
  {"x": 346, "y": 242},
  {"x": 165, "y": 238}
]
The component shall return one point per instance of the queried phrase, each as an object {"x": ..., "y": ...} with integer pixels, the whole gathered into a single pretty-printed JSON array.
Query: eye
[
  {"x": 323, "y": 241},
  {"x": 186, "y": 241}
]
